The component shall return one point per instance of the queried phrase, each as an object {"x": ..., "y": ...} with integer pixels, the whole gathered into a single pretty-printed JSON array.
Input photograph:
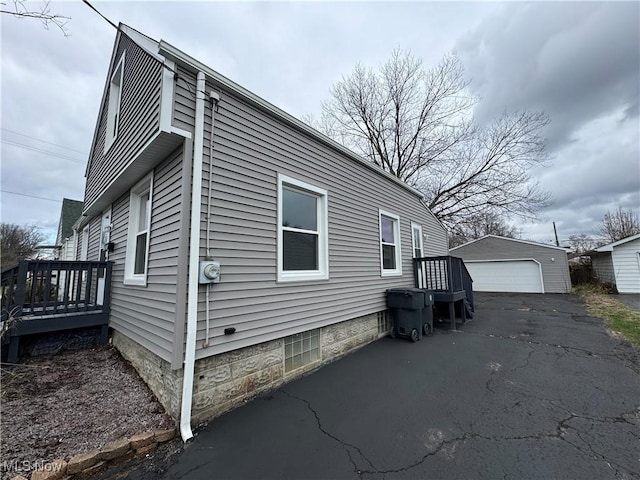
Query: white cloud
[{"x": 577, "y": 61}]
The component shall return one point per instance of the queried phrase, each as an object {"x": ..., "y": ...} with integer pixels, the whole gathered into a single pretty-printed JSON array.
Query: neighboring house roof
[
  {"x": 529, "y": 242},
  {"x": 71, "y": 212},
  {"x": 609, "y": 247}
]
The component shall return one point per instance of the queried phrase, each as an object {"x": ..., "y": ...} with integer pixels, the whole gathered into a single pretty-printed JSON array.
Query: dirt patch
[{"x": 57, "y": 406}]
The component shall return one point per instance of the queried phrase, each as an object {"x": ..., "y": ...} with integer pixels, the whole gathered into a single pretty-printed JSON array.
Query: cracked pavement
[{"x": 531, "y": 388}]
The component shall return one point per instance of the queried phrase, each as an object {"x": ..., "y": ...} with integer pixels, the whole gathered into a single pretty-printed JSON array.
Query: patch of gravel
[{"x": 58, "y": 406}]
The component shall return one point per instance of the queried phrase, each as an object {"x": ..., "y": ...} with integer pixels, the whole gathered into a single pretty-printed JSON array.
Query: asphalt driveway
[{"x": 531, "y": 388}]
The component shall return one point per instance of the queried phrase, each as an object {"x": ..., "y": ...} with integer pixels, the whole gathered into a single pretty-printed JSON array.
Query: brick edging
[{"x": 85, "y": 465}]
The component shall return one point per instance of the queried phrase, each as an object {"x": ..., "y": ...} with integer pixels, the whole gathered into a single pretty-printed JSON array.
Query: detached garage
[{"x": 499, "y": 264}]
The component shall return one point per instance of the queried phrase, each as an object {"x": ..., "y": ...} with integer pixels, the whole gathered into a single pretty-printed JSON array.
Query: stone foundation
[
  {"x": 156, "y": 372},
  {"x": 223, "y": 382},
  {"x": 342, "y": 338}
]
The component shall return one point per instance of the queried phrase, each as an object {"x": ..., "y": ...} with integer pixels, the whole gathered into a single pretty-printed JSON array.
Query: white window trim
[
  {"x": 396, "y": 272},
  {"x": 138, "y": 189},
  {"x": 75, "y": 245},
  {"x": 323, "y": 234},
  {"x": 418, "y": 227},
  {"x": 114, "y": 106},
  {"x": 84, "y": 246}
]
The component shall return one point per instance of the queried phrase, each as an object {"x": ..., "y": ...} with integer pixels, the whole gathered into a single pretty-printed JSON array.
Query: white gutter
[{"x": 194, "y": 260}]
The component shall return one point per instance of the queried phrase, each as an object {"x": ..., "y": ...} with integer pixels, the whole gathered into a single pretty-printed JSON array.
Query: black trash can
[{"x": 408, "y": 306}]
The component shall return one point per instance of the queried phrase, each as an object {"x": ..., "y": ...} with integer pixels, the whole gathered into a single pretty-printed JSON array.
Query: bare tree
[
  {"x": 22, "y": 9},
  {"x": 489, "y": 172},
  {"x": 18, "y": 242},
  {"x": 619, "y": 224},
  {"x": 582, "y": 243},
  {"x": 417, "y": 125},
  {"x": 479, "y": 225}
]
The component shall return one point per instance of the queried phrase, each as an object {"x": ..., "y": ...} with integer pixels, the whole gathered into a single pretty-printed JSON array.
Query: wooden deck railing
[
  {"x": 44, "y": 296},
  {"x": 444, "y": 274}
]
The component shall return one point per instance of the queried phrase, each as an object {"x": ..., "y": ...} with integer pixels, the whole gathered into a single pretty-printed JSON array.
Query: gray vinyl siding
[
  {"x": 93, "y": 252},
  {"x": 626, "y": 264},
  {"x": 139, "y": 117},
  {"x": 148, "y": 314},
  {"x": 436, "y": 242},
  {"x": 555, "y": 266},
  {"x": 184, "y": 103},
  {"x": 79, "y": 244},
  {"x": 250, "y": 149}
]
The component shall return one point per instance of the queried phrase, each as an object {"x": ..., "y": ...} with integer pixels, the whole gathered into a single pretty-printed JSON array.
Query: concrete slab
[{"x": 531, "y": 388}]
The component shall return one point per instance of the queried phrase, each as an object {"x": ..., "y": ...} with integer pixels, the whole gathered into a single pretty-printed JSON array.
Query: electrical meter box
[{"x": 209, "y": 272}]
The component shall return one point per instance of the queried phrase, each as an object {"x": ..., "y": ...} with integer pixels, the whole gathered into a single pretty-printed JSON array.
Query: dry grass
[
  {"x": 621, "y": 318},
  {"x": 57, "y": 406}
]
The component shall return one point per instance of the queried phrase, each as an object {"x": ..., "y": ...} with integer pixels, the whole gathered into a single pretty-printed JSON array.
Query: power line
[
  {"x": 31, "y": 196},
  {"x": 40, "y": 150},
  {"x": 178, "y": 77},
  {"x": 96, "y": 10},
  {"x": 44, "y": 141}
]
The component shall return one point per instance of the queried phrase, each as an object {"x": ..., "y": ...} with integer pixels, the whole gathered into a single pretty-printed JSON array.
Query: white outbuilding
[
  {"x": 500, "y": 264},
  {"x": 618, "y": 263}
]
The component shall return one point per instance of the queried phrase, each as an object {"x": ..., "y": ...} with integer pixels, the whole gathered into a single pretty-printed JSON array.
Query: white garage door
[{"x": 506, "y": 276}]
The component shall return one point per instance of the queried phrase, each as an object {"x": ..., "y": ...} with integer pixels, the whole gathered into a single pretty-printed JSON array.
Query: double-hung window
[
  {"x": 113, "y": 107},
  {"x": 138, "y": 236},
  {"x": 390, "y": 255},
  {"x": 302, "y": 231}
]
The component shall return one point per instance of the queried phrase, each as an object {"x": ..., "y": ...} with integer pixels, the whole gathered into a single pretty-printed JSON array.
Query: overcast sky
[{"x": 577, "y": 61}]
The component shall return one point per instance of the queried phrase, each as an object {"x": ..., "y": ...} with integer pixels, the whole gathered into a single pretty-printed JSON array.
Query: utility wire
[
  {"x": 44, "y": 141},
  {"x": 177, "y": 75},
  {"x": 40, "y": 150},
  {"x": 105, "y": 18},
  {"x": 31, "y": 196}
]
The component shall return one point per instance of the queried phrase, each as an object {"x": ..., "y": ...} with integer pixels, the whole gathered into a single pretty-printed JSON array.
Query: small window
[
  {"x": 301, "y": 349},
  {"x": 302, "y": 231},
  {"x": 416, "y": 238},
  {"x": 384, "y": 322},
  {"x": 138, "y": 235},
  {"x": 390, "y": 257},
  {"x": 113, "y": 108}
]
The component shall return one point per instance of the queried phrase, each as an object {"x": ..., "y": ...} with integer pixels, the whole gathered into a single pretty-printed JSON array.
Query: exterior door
[
  {"x": 105, "y": 238},
  {"x": 416, "y": 241}
]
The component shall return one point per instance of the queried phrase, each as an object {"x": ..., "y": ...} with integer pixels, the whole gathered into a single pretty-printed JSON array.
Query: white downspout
[{"x": 194, "y": 260}]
